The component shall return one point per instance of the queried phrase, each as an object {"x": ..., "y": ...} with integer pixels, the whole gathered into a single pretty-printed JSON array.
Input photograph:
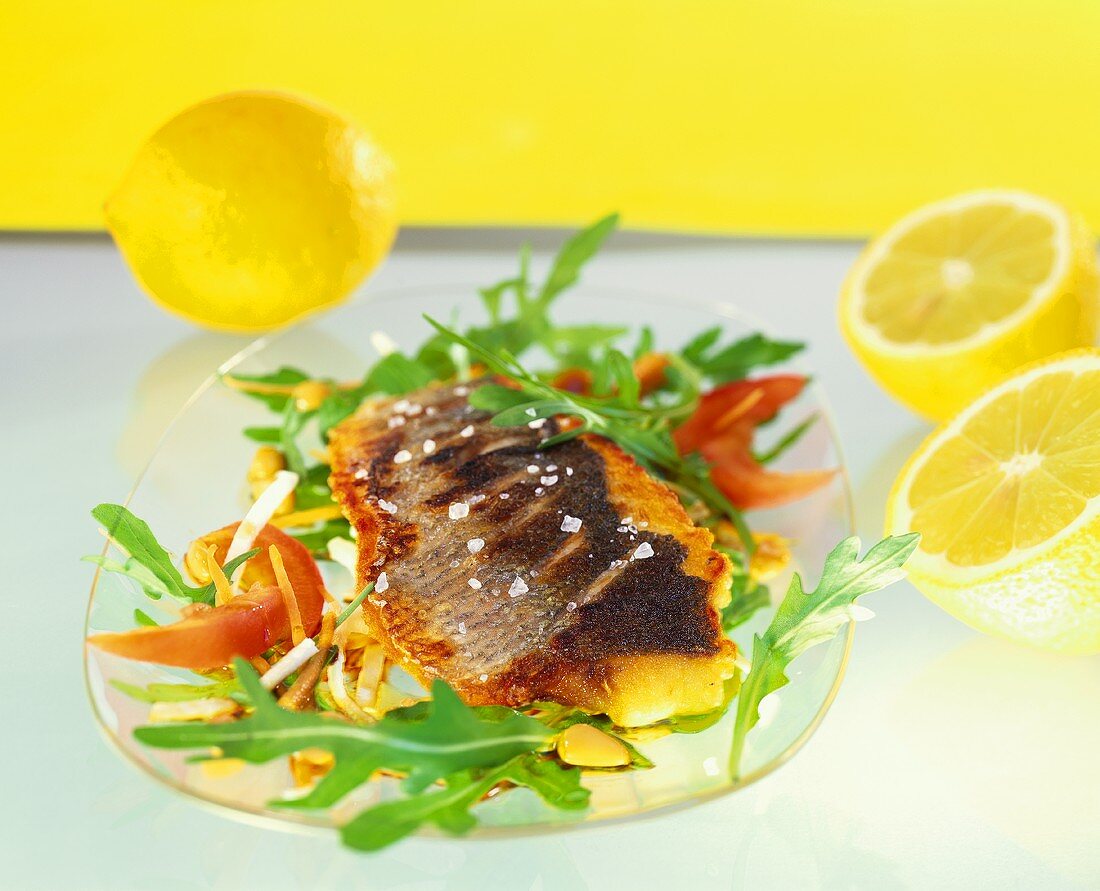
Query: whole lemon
[{"x": 252, "y": 209}]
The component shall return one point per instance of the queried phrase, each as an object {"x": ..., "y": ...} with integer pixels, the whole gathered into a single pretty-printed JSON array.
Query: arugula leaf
[
  {"x": 577, "y": 251},
  {"x": 573, "y": 345},
  {"x": 285, "y": 376},
  {"x": 334, "y": 408},
  {"x": 146, "y": 556},
  {"x": 264, "y": 435},
  {"x": 153, "y": 587},
  {"x": 788, "y": 440},
  {"x": 643, "y": 430},
  {"x": 747, "y": 597},
  {"x": 807, "y": 618},
  {"x": 396, "y": 375},
  {"x": 645, "y": 343},
  {"x": 450, "y": 738},
  {"x": 449, "y": 808},
  {"x": 294, "y": 422},
  {"x": 143, "y": 620},
  {"x": 736, "y": 360},
  {"x": 149, "y": 564},
  {"x": 316, "y": 540}
]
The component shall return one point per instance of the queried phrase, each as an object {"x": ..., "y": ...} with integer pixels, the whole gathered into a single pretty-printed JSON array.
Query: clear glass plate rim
[{"x": 298, "y": 822}]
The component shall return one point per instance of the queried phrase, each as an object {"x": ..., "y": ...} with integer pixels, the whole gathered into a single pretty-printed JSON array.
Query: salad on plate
[{"x": 547, "y": 528}]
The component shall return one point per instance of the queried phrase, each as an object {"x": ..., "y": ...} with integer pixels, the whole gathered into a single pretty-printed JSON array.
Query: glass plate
[{"x": 195, "y": 482}]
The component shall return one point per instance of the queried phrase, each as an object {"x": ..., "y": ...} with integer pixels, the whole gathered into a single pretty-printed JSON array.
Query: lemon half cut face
[
  {"x": 252, "y": 209},
  {"x": 1006, "y": 497},
  {"x": 957, "y": 295}
]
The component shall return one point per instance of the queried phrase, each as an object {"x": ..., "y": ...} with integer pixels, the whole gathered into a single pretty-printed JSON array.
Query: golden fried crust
[{"x": 488, "y": 590}]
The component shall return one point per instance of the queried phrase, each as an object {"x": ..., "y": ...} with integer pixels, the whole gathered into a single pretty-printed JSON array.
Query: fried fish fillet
[{"x": 519, "y": 574}]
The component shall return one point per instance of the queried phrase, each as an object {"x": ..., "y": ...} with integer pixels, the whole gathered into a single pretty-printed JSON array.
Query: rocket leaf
[{"x": 807, "y": 618}]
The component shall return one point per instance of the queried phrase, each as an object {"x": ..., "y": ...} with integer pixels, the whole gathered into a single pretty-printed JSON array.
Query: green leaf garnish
[
  {"x": 788, "y": 440},
  {"x": 577, "y": 251},
  {"x": 807, "y": 618},
  {"x": 148, "y": 563},
  {"x": 643, "y": 430},
  {"x": 735, "y": 361},
  {"x": 283, "y": 377},
  {"x": 447, "y": 739},
  {"x": 395, "y": 375},
  {"x": 264, "y": 435},
  {"x": 449, "y": 808}
]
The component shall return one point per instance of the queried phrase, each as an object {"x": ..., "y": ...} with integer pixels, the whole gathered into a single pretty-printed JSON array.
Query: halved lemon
[
  {"x": 1006, "y": 497},
  {"x": 957, "y": 295}
]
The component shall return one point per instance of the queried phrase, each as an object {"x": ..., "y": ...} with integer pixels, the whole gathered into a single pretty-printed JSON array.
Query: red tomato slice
[
  {"x": 247, "y": 626},
  {"x": 733, "y": 410},
  {"x": 722, "y": 430},
  {"x": 750, "y": 485}
]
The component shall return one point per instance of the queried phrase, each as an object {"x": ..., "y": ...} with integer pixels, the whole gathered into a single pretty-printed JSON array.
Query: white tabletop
[{"x": 950, "y": 760}]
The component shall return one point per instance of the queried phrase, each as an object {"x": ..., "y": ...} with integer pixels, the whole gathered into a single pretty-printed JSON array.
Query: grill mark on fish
[{"x": 640, "y": 607}]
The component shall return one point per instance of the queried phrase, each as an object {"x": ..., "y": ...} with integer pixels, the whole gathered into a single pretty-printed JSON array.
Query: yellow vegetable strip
[
  {"x": 297, "y": 629},
  {"x": 224, "y": 591},
  {"x": 308, "y": 517},
  {"x": 370, "y": 675}
]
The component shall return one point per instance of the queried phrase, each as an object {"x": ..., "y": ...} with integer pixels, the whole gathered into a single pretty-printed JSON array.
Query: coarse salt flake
[
  {"x": 462, "y": 625},
  {"x": 504, "y": 496},
  {"x": 535, "y": 424},
  {"x": 429, "y": 446},
  {"x": 519, "y": 586},
  {"x": 645, "y": 549},
  {"x": 467, "y": 431},
  {"x": 458, "y": 510},
  {"x": 383, "y": 584},
  {"x": 476, "y": 585},
  {"x": 539, "y": 490},
  {"x": 568, "y": 471},
  {"x": 402, "y": 457},
  {"x": 388, "y": 506},
  {"x": 475, "y": 544},
  {"x": 550, "y": 468},
  {"x": 530, "y": 412},
  {"x": 571, "y": 524},
  {"x": 548, "y": 480},
  {"x": 626, "y": 521},
  {"x": 570, "y": 606},
  {"x": 395, "y": 421},
  {"x": 532, "y": 468}
]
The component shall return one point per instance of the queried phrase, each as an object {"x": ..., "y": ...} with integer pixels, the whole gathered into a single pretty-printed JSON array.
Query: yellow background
[{"x": 767, "y": 116}]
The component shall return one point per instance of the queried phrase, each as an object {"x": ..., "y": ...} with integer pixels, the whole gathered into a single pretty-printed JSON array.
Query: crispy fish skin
[{"x": 487, "y": 590}]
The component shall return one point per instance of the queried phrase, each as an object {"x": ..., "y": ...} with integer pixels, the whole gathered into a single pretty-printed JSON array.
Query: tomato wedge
[
  {"x": 247, "y": 626},
  {"x": 722, "y": 429}
]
